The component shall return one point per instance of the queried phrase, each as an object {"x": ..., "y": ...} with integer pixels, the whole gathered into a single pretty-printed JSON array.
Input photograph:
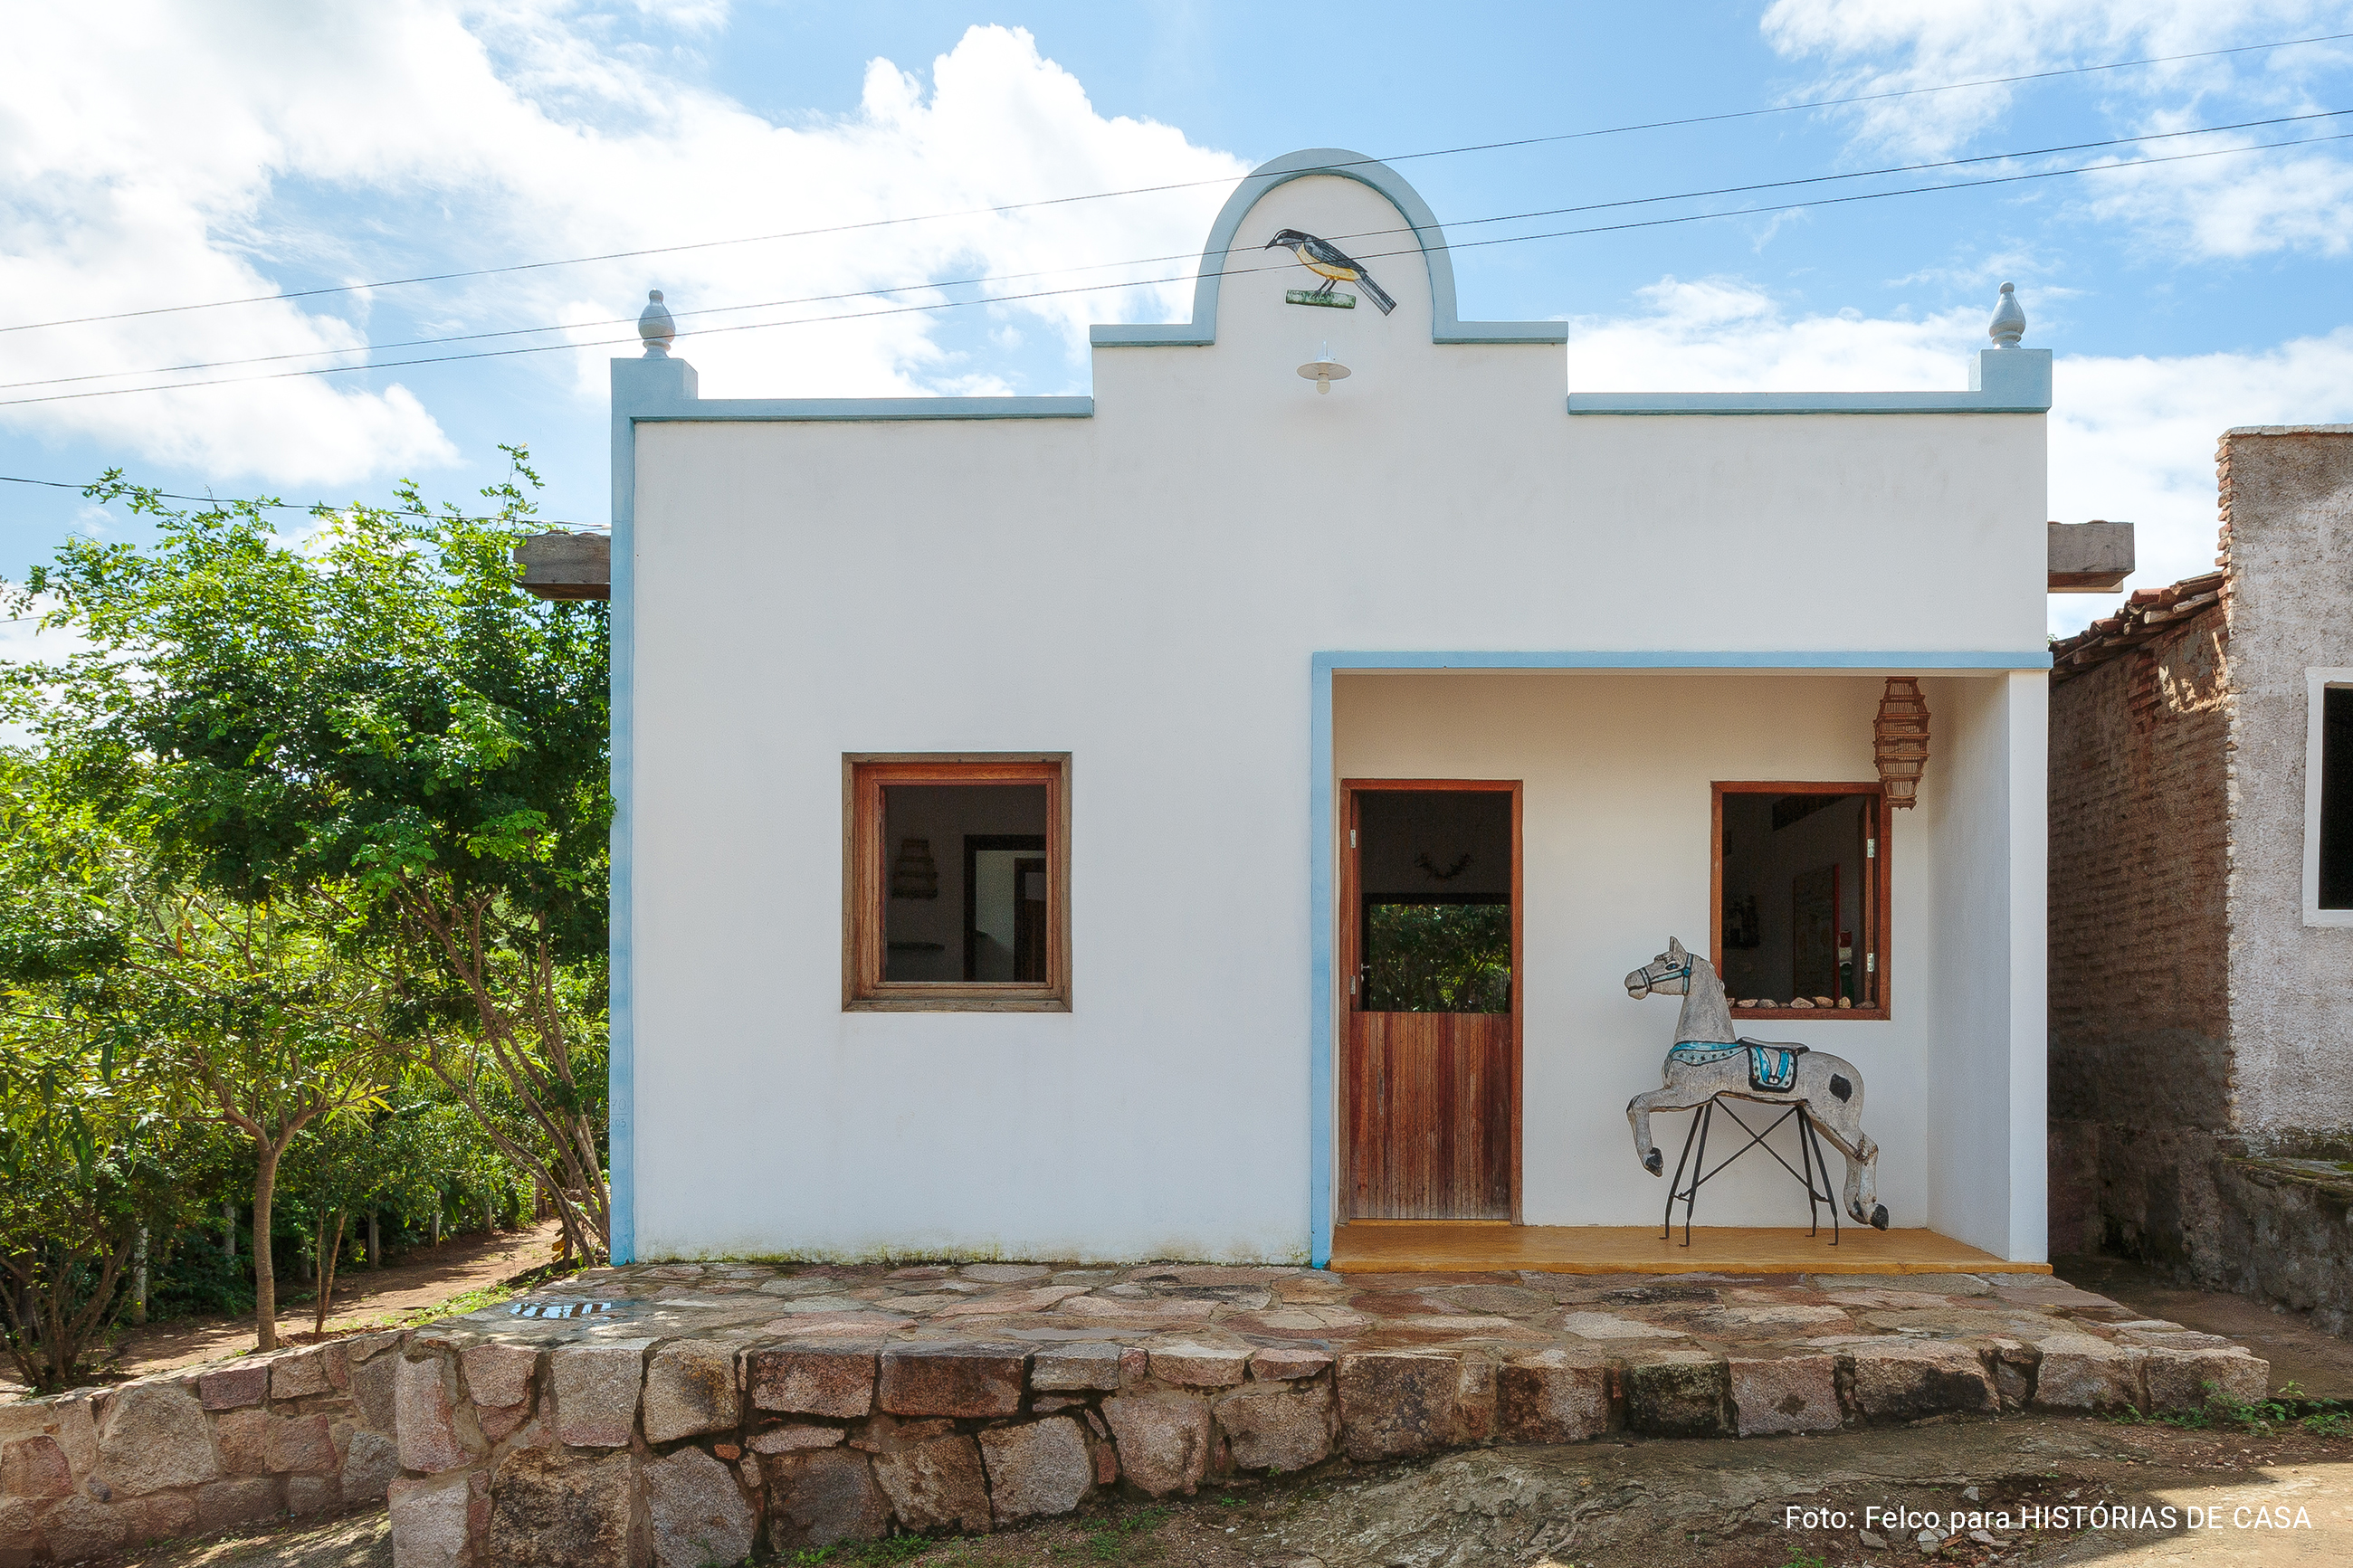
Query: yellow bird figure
[{"x": 1332, "y": 264}]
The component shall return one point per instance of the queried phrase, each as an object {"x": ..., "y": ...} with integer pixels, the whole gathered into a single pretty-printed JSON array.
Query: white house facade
[{"x": 1349, "y": 744}]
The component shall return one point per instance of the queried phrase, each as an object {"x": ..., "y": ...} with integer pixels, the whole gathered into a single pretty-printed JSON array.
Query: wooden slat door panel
[{"x": 1428, "y": 1097}]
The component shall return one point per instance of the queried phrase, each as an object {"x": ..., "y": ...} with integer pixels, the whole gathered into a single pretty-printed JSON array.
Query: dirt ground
[
  {"x": 365, "y": 1297},
  {"x": 1647, "y": 1504}
]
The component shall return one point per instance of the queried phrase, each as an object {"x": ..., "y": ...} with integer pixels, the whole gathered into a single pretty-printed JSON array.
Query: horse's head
[{"x": 1669, "y": 974}]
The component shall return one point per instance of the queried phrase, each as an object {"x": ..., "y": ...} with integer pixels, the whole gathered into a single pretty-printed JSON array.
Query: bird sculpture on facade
[{"x": 1332, "y": 264}]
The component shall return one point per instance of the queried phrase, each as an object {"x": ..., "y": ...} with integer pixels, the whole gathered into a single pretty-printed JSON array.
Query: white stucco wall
[{"x": 801, "y": 589}]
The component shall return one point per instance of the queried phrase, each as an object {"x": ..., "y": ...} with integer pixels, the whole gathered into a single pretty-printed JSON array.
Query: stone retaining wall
[
  {"x": 302, "y": 1431},
  {"x": 685, "y": 1415}
]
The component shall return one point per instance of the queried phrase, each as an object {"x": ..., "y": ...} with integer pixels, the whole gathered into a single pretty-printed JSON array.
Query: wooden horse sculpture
[{"x": 1708, "y": 1060}]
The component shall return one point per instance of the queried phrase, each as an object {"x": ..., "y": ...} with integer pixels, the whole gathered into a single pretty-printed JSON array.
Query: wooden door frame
[{"x": 1352, "y": 959}]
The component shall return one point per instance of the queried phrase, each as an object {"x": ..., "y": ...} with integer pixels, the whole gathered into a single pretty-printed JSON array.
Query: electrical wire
[
  {"x": 1179, "y": 277},
  {"x": 312, "y": 507},
  {"x": 886, "y": 291},
  {"x": 1182, "y": 185}
]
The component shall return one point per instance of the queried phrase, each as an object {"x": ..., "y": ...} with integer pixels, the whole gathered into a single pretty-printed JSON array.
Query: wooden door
[{"x": 1430, "y": 1111}]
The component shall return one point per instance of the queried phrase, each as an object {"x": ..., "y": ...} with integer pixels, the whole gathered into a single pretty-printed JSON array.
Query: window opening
[
  {"x": 1800, "y": 884},
  {"x": 1435, "y": 915}
]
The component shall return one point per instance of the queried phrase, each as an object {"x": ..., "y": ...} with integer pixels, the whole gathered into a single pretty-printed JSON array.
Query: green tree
[{"x": 374, "y": 714}]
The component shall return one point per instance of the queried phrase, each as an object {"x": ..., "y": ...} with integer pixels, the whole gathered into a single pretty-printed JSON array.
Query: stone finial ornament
[
  {"x": 657, "y": 329},
  {"x": 2009, "y": 319}
]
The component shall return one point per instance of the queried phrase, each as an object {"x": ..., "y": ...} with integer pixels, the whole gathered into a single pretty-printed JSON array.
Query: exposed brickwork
[{"x": 2139, "y": 951}]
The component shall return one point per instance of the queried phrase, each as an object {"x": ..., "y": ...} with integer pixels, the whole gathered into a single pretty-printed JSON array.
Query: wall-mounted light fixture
[{"x": 1325, "y": 372}]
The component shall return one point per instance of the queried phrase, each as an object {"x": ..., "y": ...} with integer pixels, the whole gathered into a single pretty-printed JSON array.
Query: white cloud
[
  {"x": 2227, "y": 206},
  {"x": 2132, "y": 439},
  {"x": 194, "y": 152}
]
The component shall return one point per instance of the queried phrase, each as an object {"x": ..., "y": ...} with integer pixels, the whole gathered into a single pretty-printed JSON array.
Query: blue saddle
[{"x": 1772, "y": 1064}]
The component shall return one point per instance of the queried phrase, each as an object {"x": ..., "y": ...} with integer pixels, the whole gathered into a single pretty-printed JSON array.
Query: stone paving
[{"x": 687, "y": 1413}]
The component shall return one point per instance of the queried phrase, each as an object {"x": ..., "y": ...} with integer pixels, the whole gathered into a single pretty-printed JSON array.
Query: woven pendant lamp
[{"x": 1899, "y": 739}]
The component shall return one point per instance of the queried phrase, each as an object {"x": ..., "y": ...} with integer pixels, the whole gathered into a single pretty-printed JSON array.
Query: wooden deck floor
[{"x": 1454, "y": 1246}]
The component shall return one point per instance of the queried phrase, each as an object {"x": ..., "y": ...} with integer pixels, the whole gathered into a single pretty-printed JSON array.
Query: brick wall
[{"x": 2138, "y": 978}]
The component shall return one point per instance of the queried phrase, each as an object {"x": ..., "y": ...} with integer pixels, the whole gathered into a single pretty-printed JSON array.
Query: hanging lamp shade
[
  {"x": 913, "y": 874},
  {"x": 1899, "y": 739}
]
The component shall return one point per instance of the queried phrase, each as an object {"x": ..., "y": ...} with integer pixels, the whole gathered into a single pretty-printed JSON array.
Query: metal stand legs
[{"x": 1810, "y": 1153}]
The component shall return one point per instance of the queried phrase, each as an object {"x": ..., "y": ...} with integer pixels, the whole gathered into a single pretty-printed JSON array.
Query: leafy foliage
[{"x": 1437, "y": 958}]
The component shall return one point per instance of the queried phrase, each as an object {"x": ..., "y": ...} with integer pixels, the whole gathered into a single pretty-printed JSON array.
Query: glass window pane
[
  {"x": 964, "y": 883},
  {"x": 1798, "y": 898}
]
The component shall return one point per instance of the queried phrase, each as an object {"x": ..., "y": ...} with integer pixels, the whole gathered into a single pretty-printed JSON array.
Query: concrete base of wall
[{"x": 2287, "y": 1227}]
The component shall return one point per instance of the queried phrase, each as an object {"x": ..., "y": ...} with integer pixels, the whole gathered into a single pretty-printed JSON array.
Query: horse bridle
[{"x": 1684, "y": 974}]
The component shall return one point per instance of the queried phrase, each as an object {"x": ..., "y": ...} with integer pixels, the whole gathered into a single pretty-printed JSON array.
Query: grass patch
[
  {"x": 1110, "y": 1539},
  {"x": 2290, "y": 1408}
]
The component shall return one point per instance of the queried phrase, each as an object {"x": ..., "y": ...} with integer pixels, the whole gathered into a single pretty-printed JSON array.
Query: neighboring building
[
  {"x": 1177, "y": 822},
  {"x": 2201, "y": 898}
]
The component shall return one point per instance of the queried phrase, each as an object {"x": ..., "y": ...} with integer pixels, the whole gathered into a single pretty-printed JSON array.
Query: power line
[
  {"x": 1184, "y": 184},
  {"x": 1140, "y": 261},
  {"x": 313, "y": 507},
  {"x": 987, "y": 278},
  {"x": 1223, "y": 272}
]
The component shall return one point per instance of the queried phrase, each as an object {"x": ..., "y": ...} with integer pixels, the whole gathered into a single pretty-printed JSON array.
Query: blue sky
[{"x": 206, "y": 154}]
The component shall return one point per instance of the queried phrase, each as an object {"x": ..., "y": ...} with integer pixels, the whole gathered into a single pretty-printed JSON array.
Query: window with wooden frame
[
  {"x": 956, "y": 883},
  {"x": 1798, "y": 890}
]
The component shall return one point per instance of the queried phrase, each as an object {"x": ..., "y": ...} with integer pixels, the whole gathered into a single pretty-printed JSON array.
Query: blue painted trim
[
  {"x": 2002, "y": 381},
  {"x": 640, "y": 386},
  {"x": 1704, "y": 658},
  {"x": 1444, "y": 327},
  {"x": 1321, "y": 916},
  {"x": 869, "y": 408},
  {"x": 1320, "y": 919}
]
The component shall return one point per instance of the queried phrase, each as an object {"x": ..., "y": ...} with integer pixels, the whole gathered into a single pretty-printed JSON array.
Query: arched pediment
[{"x": 1445, "y": 327}]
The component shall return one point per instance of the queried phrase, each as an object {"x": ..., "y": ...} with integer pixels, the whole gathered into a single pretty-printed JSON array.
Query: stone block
[
  {"x": 156, "y": 1436},
  {"x": 67, "y": 1418},
  {"x": 20, "y": 1529},
  {"x": 699, "y": 1516},
  {"x": 1288, "y": 1362},
  {"x": 223, "y": 1505},
  {"x": 370, "y": 1466},
  {"x": 2187, "y": 1380},
  {"x": 1008, "y": 1303},
  {"x": 1552, "y": 1396},
  {"x": 690, "y": 1390},
  {"x": 242, "y": 1439},
  {"x": 303, "y": 1446},
  {"x": 1005, "y": 1273},
  {"x": 425, "y": 1415},
  {"x": 78, "y": 1527},
  {"x": 1277, "y": 1429},
  {"x": 794, "y": 1439},
  {"x": 499, "y": 1376},
  {"x": 1076, "y": 1366},
  {"x": 372, "y": 1391},
  {"x": 1036, "y": 1471},
  {"x": 823, "y": 1498},
  {"x": 1907, "y": 1380},
  {"x": 1395, "y": 1403},
  {"x": 35, "y": 1466},
  {"x": 307, "y": 1495},
  {"x": 2081, "y": 1371},
  {"x": 1164, "y": 1439},
  {"x": 596, "y": 1387},
  {"x": 1790, "y": 1393},
  {"x": 959, "y": 1380},
  {"x": 501, "y": 1422},
  {"x": 935, "y": 1484},
  {"x": 1681, "y": 1394},
  {"x": 299, "y": 1375},
  {"x": 429, "y": 1521},
  {"x": 814, "y": 1380},
  {"x": 1190, "y": 1364},
  {"x": 166, "y": 1515},
  {"x": 549, "y": 1509},
  {"x": 335, "y": 1355},
  {"x": 234, "y": 1387}
]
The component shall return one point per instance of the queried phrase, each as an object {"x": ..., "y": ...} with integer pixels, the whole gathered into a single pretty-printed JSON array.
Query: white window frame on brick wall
[{"x": 2317, "y": 683}]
